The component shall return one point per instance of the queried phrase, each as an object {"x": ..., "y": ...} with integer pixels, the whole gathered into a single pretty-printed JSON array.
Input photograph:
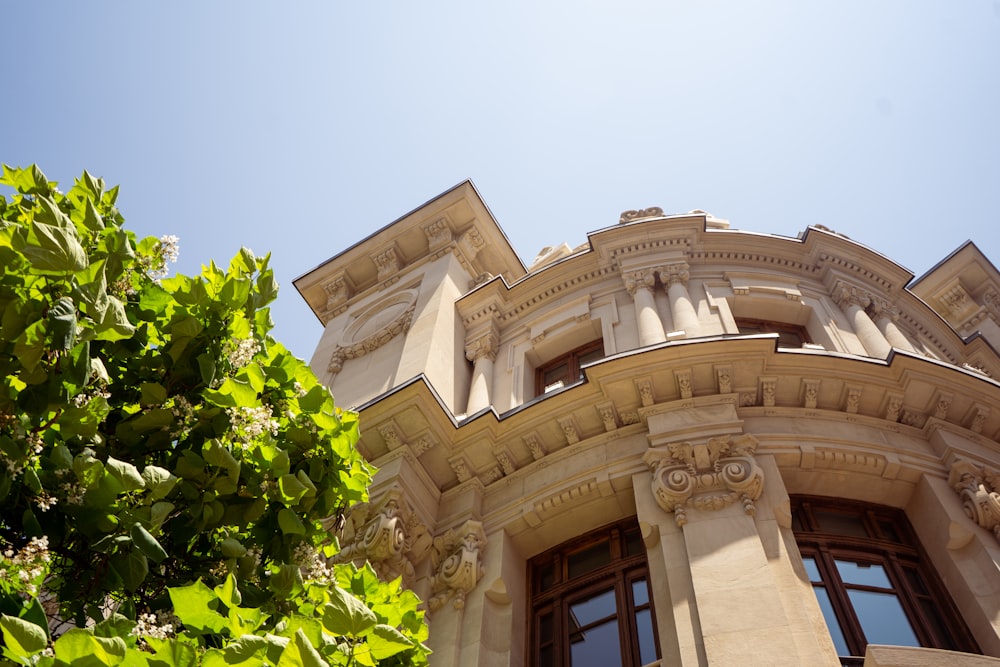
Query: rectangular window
[
  {"x": 872, "y": 580},
  {"x": 591, "y": 604},
  {"x": 566, "y": 369}
]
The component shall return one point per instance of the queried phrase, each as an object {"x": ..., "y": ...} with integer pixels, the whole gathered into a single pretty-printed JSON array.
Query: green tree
[{"x": 168, "y": 471}]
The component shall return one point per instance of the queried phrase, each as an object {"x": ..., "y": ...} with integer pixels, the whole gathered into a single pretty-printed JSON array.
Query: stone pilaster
[{"x": 640, "y": 285}]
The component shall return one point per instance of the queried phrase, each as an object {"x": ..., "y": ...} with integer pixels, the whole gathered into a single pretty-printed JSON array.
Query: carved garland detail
[
  {"x": 400, "y": 324},
  {"x": 706, "y": 476}
]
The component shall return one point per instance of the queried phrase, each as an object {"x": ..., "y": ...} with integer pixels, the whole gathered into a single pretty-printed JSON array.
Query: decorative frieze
[
  {"x": 893, "y": 407},
  {"x": 942, "y": 405},
  {"x": 461, "y": 468},
  {"x": 458, "y": 567},
  {"x": 388, "y": 535},
  {"x": 706, "y": 476},
  {"x": 852, "y": 399},
  {"x": 504, "y": 460},
  {"x": 768, "y": 390},
  {"x": 374, "y": 328},
  {"x": 979, "y": 490}
]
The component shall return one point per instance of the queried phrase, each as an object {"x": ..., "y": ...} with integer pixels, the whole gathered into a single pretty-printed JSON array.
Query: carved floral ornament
[
  {"x": 375, "y": 327},
  {"x": 979, "y": 490},
  {"x": 388, "y": 535},
  {"x": 458, "y": 567},
  {"x": 705, "y": 476}
]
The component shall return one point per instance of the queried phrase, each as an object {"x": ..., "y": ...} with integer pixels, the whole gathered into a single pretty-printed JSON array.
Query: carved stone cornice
[
  {"x": 678, "y": 272},
  {"x": 438, "y": 234},
  {"x": 979, "y": 490},
  {"x": 387, "y": 263},
  {"x": 639, "y": 214},
  {"x": 388, "y": 535},
  {"x": 458, "y": 567},
  {"x": 705, "y": 476},
  {"x": 636, "y": 280}
]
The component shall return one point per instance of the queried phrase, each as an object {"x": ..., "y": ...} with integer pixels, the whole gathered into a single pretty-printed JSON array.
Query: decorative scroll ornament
[
  {"x": 706, "y": 476},
  {"x": 388, "y": 535},
  {"x": 979, "y": 490},
  {"x": 651, "y": 212},
  {"x": 457, "y": 560}
]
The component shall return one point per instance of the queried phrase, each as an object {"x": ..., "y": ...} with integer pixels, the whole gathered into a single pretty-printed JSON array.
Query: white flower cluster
[
  {"x": 312, "y": 564},
  {"x": 45, "y": 502},
  {"x": 26, "y": 565},
  {"x": 169, "y": 248},
  {"x": 74, "y": 493},
  {"x": 149, "y": 625},
  {"x": 241, "y": 351},
  {"x": 83, "y": 398},
  {"x": 251, "y": 423}
]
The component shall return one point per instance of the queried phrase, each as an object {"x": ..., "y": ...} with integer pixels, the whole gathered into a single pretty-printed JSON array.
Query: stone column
[
  {"x": 640, "y": 285},
  {"x": 482, "y": 352},
  {"x": 853, "y": 302},
  {"x": 885, "y": 319},
  {"x": 675, "y": 277}
]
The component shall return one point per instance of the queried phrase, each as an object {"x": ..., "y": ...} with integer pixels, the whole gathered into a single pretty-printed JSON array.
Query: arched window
[
  {"x": 872, "y": 580},
  {"x": 590, "y": 602}
]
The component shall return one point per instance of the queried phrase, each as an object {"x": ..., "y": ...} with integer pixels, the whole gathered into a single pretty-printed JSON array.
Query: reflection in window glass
[
  {"x": 865, "y": 574},
  {"x": 592, "y": 609},
  {"x": 597, "y": 647},
  {"x": 589, "y": 559},
  {"x": 647, "y": 642},
  {"x": 831, "y": 620},
  {"x": 882, "y": 618}
]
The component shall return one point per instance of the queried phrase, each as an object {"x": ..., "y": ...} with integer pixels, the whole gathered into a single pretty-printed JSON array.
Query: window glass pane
[
  {"x": 633, "y": 543},
  {"x": 882, "y": 618},
  {"x": 811, "y": 569},
  {"x": 593, "y": 355},
  {"x": 647, "y": 643},
  {"x": 555, "y": 374},
  {"x": 597, "y": 647},
  {"x": 841, "y": 524},
  {"x": 640, "y": 592},
  {"x": 589, "y": 559},
  {"x": 593, "y": 608},
  {"x": 546, "y": 577},
  {"x": 545, "y": 628},
  {"x": 865, "y": 574},
  {"x": 832, "y": 624},
  {"x": 545, "y": 657},
  {"x": 889, "y": 531}
]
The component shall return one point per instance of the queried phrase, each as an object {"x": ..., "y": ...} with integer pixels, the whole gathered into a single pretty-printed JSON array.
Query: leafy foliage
[{"x": 161, "y": 453}]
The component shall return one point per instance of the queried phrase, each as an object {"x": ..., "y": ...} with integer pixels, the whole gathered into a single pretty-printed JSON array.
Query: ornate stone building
[{"x": 678, "y": 444}]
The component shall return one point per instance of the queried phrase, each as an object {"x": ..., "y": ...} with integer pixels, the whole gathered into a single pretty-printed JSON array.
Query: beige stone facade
[{"x": 740, "y": 381}]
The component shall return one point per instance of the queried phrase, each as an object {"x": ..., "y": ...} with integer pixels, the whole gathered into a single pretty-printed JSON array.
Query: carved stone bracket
[
  {"x": 438, "y": 234},
  {"x": 458, "y": 567},
  {"x": 534, "y": 445},
  {"x": 388, "y": 535},
  {"x": 684, "y": 383},
  {"x": 979, "y": 490},
  {"x": 705, "y": 476},
  {"x": 387, "y": 262},
  {"x": 724, "y": 376},
  {"x": 472, "y": 242},
  {"x": 338, "y": 291},
  {"x": 810, "y": 393}
]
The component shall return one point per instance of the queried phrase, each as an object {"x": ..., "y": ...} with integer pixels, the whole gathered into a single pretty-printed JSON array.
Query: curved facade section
[{"x": 680, "y": 443}]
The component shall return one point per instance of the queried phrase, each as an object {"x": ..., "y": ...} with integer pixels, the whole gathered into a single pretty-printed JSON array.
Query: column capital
[
  {"x": 484, "y": 345},
  {"x": 636, "y": 280},
  {"x": 458, "y": 566},
  {"x": 846, "y": 294},
  {"x": 678, "y": 272}
]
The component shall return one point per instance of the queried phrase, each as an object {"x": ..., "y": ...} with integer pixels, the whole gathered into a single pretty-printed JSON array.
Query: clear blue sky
[{"x": 302, "y": 127}]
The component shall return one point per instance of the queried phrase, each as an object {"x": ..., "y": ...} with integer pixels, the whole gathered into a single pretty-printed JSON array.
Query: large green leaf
[
  {"x": 347, "y": 615},
  {"x": 22, "y": 637},
  {"x": 54, "y": 250},
  {"x": 195, "y": 605},
  {"x": 300, "y": 653},
  {"x": 80, "y": 648}
]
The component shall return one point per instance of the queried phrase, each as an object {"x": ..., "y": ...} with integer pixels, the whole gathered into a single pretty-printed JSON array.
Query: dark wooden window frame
[
  {"x": 891, "y": 543},
  {"x": 573, "y": 359},
  {"x": 552, "y": 589},
  {"x": 771, "y": 326}
]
